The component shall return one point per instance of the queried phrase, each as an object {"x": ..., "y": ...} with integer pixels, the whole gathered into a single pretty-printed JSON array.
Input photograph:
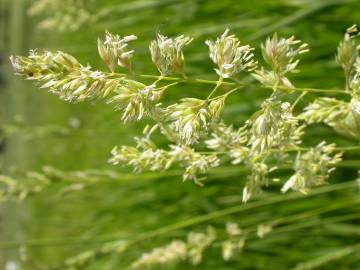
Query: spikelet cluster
[
  {"x": 114, "y": 50},
  {"x": 146, "y": 156},
  {"x": 64, "y": 15},
  {"x": 64, "y": 76},
  {"x": 225, "y": 138},
  {"x": 275, "y": 127},
  {"x": 312, "y": 168},
  {"x": 230, "y": 57},
  {"x": 167, "y": 53},
  {"x": 343, "y": 116},
  {"x": 169, "y": 254},
  {"x": 281, "y": 56},
  {"x": 136, "y": 100},
  {"x": 347, "y": 53},
  {"x": 178, "y": 250},
  {"x": 192, "y": 117},
  {"x": 235, "y": 242}
]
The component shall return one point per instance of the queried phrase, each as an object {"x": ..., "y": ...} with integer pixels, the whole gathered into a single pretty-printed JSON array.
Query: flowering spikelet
[
  {"x": 263, "y": 230},
  {"x": 13, "y": 188},
  {"x": 327, "y": 110},
  {"x": 257, "y": 178},
  {"x": 355, "y": 80},
  {"x": 235, "y": 241},
  {"x": 146, "y": 156},
  {"x": 194, "y": 163},
  {"x": 230, "y": 57},
  {"x": 198, "y": 242},
  {"x": 81, "y": 261},
  {"x": 355, "y": 94},
  {"x": 167, "y": 54},
  {"x": 136, "y": 100},
  {"x": 347, "y": 52},
  {"x": 178, "y": 250},
  {"x": 67, "y": 78},
  {"x": 280, "y": 55},
  {"x": 312, "y": 168},
  {"x": 169, "y": 254},
  {"x": 343, "y": 116},
  {"x": 193, "y": 116},
  {"x": 275, "y": 127},
  {"x": 225, "y": 137},
  {"x": 64, "y": 75},
  {"x": 114, "y": 51}
]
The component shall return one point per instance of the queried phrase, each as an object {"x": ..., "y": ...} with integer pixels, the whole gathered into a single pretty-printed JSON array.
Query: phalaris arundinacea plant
[{"x": 270, "y": 138}]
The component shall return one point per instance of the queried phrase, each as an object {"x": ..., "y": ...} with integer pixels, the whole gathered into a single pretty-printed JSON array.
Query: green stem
[
  {"x": 348, "y": 148},
  {"x": 295, "y": 149},
  {"x": 169, "y": 85},
  {"x": 204, "y": 81},
  {"x": 158, "y": 80},
  {"x": 226, "y": 94},
  {"x": 218, "y": 84},
  {"x": 347, "y": 79},
  {"x": 298, "y": 99}
]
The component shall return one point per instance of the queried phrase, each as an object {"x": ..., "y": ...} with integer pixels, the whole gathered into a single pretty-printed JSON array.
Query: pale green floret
[
  {"x": 136, "y": 100},
  {"x": 192, "y": 250},
  {"x": 64, "y": 15},
  {"x": 170, "y": 254},
  {"x": 235, "y": 242},
  {"x": 347, "y": 53},
  {"x": 281, "y": 55},
  {"x": 257, "y": 178},
  {"x": 225, "y": 138},
  {"x": 275, "y": 127},
  {"x": 230, "y": 57},
  {"x": 192, "y": 117},
  {"x": 263, "y": 230},
  {"x": 167, "y": 54},
  {"x": 64, "y": 76},
  {"x": 114, "y": 51},
  {"x": 343, "y": 116},
  {"x": 312, "y": 168},
  {"x": 146, "y": 156}
]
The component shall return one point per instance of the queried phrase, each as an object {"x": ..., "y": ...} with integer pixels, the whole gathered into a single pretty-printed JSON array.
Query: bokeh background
[{"x": 317, "y": 231}]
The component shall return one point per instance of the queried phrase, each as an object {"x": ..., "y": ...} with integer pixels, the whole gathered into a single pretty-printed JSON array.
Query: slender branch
[
  {"x": 214, "y": 82},
  {"x": 295, "y": 149},
  {"x": 298, "y": 99},
  {"x": 218, "y": 84}
]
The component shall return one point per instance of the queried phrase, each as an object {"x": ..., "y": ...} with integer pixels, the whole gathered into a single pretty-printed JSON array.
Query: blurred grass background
[{"x": 320, "y": 231}]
